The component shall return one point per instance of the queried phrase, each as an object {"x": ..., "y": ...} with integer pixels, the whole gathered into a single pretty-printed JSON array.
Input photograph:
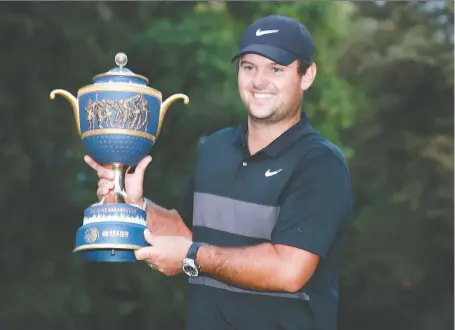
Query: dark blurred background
[{"x": 384, "y": 93}]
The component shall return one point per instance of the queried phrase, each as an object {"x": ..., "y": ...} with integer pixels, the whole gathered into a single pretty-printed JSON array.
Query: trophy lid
[{"x": 120, "y": 73}]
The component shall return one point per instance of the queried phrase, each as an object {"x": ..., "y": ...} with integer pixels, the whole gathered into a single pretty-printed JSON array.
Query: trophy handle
[
  {"x": 165, "y": 107},
  {"x": 74, "y": 104}
]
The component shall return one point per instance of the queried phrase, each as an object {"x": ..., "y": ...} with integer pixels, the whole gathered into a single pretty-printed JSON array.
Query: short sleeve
[
  {"x": 316, "y": 204},
  {"x": 185, "y": 204}
]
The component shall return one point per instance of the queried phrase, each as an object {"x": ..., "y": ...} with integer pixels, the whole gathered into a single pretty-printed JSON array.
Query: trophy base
[
  {"x": 111, "y": 233},
  {"x": 105, "y": 255}
]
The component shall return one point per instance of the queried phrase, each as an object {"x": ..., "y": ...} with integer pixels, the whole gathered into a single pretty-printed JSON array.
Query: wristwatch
[{"x": 189, "y": 265}]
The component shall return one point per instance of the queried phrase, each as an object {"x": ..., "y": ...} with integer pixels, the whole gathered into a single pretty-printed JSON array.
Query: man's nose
[{"x": 260, "y": 80}]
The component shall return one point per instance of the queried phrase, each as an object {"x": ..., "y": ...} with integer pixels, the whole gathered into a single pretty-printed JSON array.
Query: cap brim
[{"x": 278, "y": 55}]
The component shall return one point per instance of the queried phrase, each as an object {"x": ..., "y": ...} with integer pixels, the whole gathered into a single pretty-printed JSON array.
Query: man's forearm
[
  {"x": 257, "y": 267},
  {"x": 161, "y": 221}
]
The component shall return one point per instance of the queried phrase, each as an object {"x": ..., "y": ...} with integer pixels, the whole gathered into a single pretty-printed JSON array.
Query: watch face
[{"x": 189, "y": 267}]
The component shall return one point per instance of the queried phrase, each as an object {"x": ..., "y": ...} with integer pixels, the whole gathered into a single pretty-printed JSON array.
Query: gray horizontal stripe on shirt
[
  {"x": 234, "y": 216},
  {"x": 208, "y": 281}
]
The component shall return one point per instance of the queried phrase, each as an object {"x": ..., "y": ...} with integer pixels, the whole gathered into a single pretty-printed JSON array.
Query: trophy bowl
[{"x": 118, "y": 119}]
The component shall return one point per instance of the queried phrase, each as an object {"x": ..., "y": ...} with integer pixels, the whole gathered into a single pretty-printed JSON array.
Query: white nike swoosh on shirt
[{"x": 270, "y": 173}]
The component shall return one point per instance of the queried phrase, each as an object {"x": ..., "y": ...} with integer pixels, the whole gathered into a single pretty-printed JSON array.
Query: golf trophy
[{"x": 118, "y": 118}]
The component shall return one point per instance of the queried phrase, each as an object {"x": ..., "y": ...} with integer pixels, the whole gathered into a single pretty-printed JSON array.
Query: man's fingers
[
  {"x": 105, "y": 192},
  {"x": 106, "y": 184},
  {"x": 105, "y": 187},
  {"x": 148, "y": 236},
  {"x": 91, "y": 162},
  {"x": 142, "y": 165},
  {"x": 145, "y": 253},
  {"x": 103, "y": 173},
  {"x": 101, "y": 192}
]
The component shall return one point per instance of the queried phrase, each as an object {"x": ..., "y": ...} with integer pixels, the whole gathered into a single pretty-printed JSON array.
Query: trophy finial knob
[{"x": 121, "y": 59}]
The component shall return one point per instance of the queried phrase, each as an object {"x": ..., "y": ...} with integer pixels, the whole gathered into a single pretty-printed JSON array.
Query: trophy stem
[{"x": 119, "y": 182}]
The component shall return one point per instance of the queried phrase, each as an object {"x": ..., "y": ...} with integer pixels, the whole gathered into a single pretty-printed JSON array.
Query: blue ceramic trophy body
[{"x": 118, "y": 118}]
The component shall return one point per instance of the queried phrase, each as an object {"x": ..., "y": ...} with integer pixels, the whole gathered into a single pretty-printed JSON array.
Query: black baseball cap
[{"x": 279, "y": 38}]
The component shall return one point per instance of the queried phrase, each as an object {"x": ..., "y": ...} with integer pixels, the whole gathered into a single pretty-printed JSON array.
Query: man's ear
[{"x": 309, "y": 76}]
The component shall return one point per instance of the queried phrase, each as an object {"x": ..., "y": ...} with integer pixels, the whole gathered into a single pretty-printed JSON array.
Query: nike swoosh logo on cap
[{"x": 261, "y": 33}]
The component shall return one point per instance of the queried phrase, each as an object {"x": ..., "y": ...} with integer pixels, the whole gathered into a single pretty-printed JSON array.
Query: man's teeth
[{"x": 262, "y": 95}]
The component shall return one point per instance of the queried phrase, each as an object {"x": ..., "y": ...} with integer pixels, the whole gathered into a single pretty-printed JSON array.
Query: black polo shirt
[{"x": 296, "y": 192}]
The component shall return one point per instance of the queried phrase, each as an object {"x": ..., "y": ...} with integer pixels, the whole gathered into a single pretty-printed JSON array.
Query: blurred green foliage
[{"x": 384, "y": 93}]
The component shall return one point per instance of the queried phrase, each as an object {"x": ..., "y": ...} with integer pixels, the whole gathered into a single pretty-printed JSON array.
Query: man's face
[{"x": 269, "y": 91}]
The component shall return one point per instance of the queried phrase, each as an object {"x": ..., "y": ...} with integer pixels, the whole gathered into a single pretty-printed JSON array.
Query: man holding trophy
[{"x": 261, "y": 224}]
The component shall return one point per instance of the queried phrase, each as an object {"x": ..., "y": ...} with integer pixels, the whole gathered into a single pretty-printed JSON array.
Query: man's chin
[{"x": 261, "y": 117}]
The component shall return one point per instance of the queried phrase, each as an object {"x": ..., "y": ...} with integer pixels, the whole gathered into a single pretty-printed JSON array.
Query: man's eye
[
  {"x": 248, "y": 67},
  {"x": 277, "y": 69}
]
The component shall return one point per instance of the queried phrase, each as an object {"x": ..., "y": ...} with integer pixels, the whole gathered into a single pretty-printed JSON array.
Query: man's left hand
[{"x": 166, "y": 253}]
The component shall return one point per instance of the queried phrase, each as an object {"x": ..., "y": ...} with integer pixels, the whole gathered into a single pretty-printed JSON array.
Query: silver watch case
[{"x": 190, "y": 268}]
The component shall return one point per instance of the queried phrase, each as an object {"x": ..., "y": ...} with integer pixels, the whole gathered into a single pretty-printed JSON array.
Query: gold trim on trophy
[
  {"x": 107, "y": 246},
  {"x": 117, "y": 131},
  {"x": 165, "y": 107},
  {"x": 121, "y": 74},
  {"x": 108, "y": 87},
  {"x": 73, "y": 102}
]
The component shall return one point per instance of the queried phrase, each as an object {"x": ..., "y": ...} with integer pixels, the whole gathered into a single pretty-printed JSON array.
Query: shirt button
[{"x": 244, "y": 163}]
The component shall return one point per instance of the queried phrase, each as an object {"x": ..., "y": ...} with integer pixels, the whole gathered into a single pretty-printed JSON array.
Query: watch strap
[{"x": 192, "y": 251}]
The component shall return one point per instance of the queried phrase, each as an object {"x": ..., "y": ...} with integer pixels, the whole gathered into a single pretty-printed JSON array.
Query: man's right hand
[{"x": 133, "y": 181}]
